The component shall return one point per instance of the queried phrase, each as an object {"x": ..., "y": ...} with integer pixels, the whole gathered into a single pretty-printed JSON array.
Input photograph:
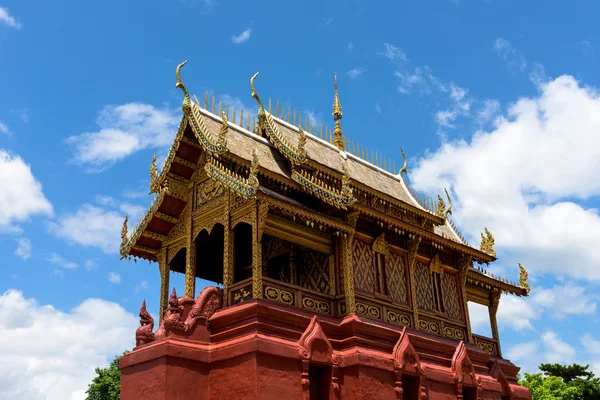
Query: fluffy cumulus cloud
[
  {"x": 21, "y": 193},
  {"x": 548, "y": 348},
  {"x": 91, "y": 225},
  {"x": 48, "y": 354},
  {"x": 122, "y": 131},
  {"x": 524, "y": 179}
]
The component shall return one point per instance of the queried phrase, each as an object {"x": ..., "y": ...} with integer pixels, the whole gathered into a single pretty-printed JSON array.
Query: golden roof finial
[
  {"x": 523, "y": 276},
  {"x": 448, "y": 211},
  {"x": 487, "y": 243},
  {"x": 338, "y": 139},
  {"x": 403, "y": 169},
  {"x": 187, "y": 102}
]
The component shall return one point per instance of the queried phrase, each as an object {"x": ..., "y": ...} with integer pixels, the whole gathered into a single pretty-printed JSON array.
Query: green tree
[
  {"x": 107, "y": 383},
  {"x": 562, "y": 382}
]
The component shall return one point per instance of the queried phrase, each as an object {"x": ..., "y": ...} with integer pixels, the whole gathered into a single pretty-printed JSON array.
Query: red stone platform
[{"x": 263, "y": 350}]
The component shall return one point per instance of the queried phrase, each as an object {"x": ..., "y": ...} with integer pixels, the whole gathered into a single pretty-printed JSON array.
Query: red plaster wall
[
  {"x": 234, "y": 378},
  {"x": 144, "y": 381},
  {"x": 278, "y": 378}
]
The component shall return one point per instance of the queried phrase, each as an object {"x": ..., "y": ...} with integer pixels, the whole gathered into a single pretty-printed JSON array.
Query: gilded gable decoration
[
  {"x": 296, "y": 155},
  {"x": 487, "y": 243},
  {"x": 153, "y": 175},
  {"x": 380, "y": 245},
  {"x": 245, "y": 187},
  {"x": 192, "y": 111},
  {"x": 523, "y": 276},
  {"x": 442, "y": 210},
  {"x": 124, "y": 232}
]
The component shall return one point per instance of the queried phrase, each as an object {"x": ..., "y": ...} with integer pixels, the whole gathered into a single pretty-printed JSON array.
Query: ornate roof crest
[
  {"x": 487, "y": 243},
  {"x": 245, "y": 187},
  {"x": 523, "y": 276},
  {"x": 296, "y": 155},
  {"x": 337, "y": 198}
]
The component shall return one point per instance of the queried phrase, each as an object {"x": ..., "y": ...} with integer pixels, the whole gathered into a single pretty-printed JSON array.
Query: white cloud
[
  {"x": 565, "y": 299},
  {"x": 557, "y": 351},
  {"x": 58, "y": 260},
  {"x": 91, "y": 226},
  {"x": 48, "y": 354},
  {"x": 520, "y": 179},
  {"x": 22, "y": 113},
  {"x": 4, "y": 128},
  {"x": 479, "y": 316},
  {"x": 378, "y": 109},
  {"x": 510, "y": 54},
  {"x": 23, "y": 249},
  {"x": 242, "y": 37},
  {"x": 488, "y": 111},
  {"x": 7, "y": 19},
  {"x": 393, "y": 52},
  {"x": 113, "y": 277},
  {"x": 590, "y": 344},
  {"x": 356, "y": 72},
  {"x": 21, "y": 194},
  {"x": 350, "y": 46},
  {"x": 549, "y": 348},
  {"x": 124, "y": 130},
  {"x": 106, "y": 200},
  {"x": 134, "y": 211}
]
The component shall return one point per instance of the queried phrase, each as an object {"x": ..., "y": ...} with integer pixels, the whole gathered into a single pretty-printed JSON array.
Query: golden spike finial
[
  {"x": 487, "y": 243},
  {"x": 225, "y": 124},
  {"x": 338, "y": 140},
  {"x": 153, "y": 175},
  {"x": 124, "y": 231},
  {"x": 523, "y": 276},
  {"x": 403, "y": 169}
]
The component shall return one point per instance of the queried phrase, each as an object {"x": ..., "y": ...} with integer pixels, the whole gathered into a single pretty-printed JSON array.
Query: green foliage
[
  {"x": 562, "y": 382},
  {"x": 107, "y": 383}
]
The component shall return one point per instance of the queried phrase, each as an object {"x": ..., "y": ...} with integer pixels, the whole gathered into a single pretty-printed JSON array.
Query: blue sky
[{"x": 496, "y": 100}]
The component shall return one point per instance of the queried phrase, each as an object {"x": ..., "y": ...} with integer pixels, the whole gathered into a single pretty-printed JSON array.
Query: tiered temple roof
[{"x": 239, "y": 141}]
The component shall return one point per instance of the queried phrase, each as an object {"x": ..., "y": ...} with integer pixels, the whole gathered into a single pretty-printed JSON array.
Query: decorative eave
[
  {"x": 337, "y": 198},
  {"x": 482, "y": 278},
  {"x": 245, "y": 187}
]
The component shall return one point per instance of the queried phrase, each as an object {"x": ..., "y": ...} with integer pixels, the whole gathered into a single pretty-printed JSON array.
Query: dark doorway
[
  {"x": 320, "y": 382},
  {"x": 209, "y": 254},
  {"x": 410, "y": 387},
  {"x": 470, "y": 393},
  {"x": 242, "y": 252}
]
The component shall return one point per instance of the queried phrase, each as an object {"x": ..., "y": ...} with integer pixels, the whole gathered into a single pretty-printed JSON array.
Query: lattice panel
[
  {"x": 313, "y": 267},
  {"x": 450, "y": 296},
  {"x": 364, "y": 271},
  {"x": 424, "y": 287},
  {"x": 396, "y": 278}
]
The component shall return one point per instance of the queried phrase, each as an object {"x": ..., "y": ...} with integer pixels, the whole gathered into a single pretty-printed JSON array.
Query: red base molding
[{"x": 262, "y": 350}]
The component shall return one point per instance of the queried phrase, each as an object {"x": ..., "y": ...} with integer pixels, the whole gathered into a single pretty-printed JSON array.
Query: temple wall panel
[
  {"x": 313, "y": 270},
  {"x": 277, "y": 377},
  {"x": 424, "y": 287},
  {"x": 363, "y": 262},
  {"x": 234, "y": 378},
  {"x": 396, "y": 278},
  {"x": 451, "y": 297}
]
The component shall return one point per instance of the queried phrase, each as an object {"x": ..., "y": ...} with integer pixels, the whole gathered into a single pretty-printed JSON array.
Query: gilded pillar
[
  {"x": 413, "y": 247},
  {"x": 227, "y": 257},
  {"x": 332, "y": 275},
  {"x": 464, "y": 263},
  {"x": 257, "y": 282},
  {"x": 348, "y": 270},
  {"x": 164, "y": 270},
  {"x": 493, "y": 309},
  {"x": 190, "y": 256}
]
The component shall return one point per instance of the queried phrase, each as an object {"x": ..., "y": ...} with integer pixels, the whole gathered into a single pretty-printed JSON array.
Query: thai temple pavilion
[{"x": 333, "y": 278}]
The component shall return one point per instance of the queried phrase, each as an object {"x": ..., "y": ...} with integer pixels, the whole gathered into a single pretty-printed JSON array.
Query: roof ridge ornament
[
  {"x": 153, "y": 176},
  {"x": 296, "y": 155},
  {"x": 523, "y": 276},
  {"x": 487, "y": 243},
  {"x": 403, "y": 169},
  {"x": 245, "y": 187},
  {"x": 337, "y": 198},
  {"x": 124, "y": 231},
  {"x": 192, "y": 111},
  {"x": 338, "y": 139}
]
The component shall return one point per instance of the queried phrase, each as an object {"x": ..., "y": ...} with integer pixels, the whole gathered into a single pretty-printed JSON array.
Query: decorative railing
[
  {"x": 240, "y": 292},
  {"x": 486, "y": 344},
  {"x": 383, "y": 311},
  {"x": 292, "y": 295}
]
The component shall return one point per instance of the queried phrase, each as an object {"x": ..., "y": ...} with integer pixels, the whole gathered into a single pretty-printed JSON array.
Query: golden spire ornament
[
  {"x": 487, "y": 243},
  {"x": 523, "y": 276},
  {"x": 153, "y": 175},
  {"x": 338, "y": 139},
  {"x": 124, "y": 230}
]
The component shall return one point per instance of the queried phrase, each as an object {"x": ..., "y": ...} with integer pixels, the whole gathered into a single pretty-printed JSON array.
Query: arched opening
[
  {"x": 242, "y": 252},
  {"x": 319, "y": 377},
  {"x": 209, "y": 256},
  {"x": 469, "y": 393},
  {"x": 410, "y": 387}
]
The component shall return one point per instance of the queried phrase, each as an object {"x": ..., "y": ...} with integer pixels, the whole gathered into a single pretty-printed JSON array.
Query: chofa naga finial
[
  {"x": 403, "y": 169},
  {"x": 523, "y": 276},
  {"x": 442, "y": 211},
  {"x": 187, "y": 101},
  {"x": 487, "y": 243},
  {"x": 153, "y": 175},
  {"x": 124, "y": 230}
]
